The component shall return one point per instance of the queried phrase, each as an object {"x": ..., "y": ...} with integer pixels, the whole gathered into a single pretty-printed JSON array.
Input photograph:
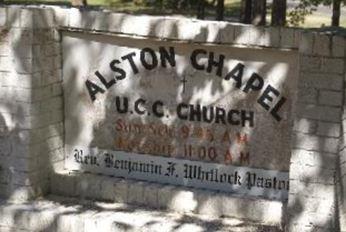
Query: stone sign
[{"x": 195, "y": 115}]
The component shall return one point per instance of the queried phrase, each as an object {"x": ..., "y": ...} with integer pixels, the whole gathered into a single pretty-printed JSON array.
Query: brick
[
  {"x": 339, "y": 46},
  {"x": 3, "y": 17},
  {"x": 150, "y": 194},
  {"x": 330, "y": 98},
  {"x": 43, "y": 18},
  {"x": 56, "y": 155},
  {"x": 307, "y": 95},
  {"x": 312, "y": 190},
  {"x": 177, "y": 199},
  {"x": 135, "y": 192},
  {"x": 328, "y": 129},
  {"x": 305, "y": 125},
  {"x": 121, "y": 191},
  {"x": 323, "y": 113},
  {"x": 315, "y": 143},
  {"x": 274, "y": 35},
  {"x": 306, "y": 43},
  {"x": 209, "y": 203},
  {"x": 107, "y": 190},
  {"x": 287, "y": 37},
  {"x": 63, "y": 183},
  {"x": 321, "y": 81},
  {"x": 333, "y": 65},
  {"x": 5, "y": 49},
  {"x": 322, "y": 45},
  {"x": 6, "y": 64},
  {"x": 227, "y": 34},
  {"x": 312, "y": 174},
  {"x": 13, "y": 16},
  {"x": 313, "y": 158},
  {"x": 310, "y": 63}
]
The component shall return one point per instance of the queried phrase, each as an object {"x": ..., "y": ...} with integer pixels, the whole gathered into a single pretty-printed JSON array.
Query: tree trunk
[
  {"x": 279, "y": 12},
  {"x": 246, "y": 9},
  {"x": 79, "y": 3},
  {"x": 220, "y": 8},
  {"x": 259, "y": 12},
  {"x": 201, "y": 9},
  {"x": 336, "y": 13}
]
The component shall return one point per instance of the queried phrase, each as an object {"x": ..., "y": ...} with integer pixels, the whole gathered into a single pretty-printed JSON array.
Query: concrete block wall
[
  {"x": 31, "y": 102},
  {"x": 312, "y": 202},
  {"x": 31, "y": 113}
]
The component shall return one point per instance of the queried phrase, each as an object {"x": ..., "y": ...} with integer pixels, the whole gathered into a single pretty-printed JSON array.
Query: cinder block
[
  {"x": 184, "y": 29},
  {"x": 3, "y": 17},
  {"x": 209, "y": 203},
  {"x": 5, "y": 49},
  {"x": 43, "y": 18},
  {"x": 274, "y": 36},
  {"x": 135, "y": 192},
  {"x": 150, "y": 194},
  {"x": 242, "y": 34},
  {"x": 226, "y": 33},
  {"x": 177, "y": 199},
  {"x": 61, "y": 16},
  {"x": 107, "y": 191},
  {"x": 312, "y": 158},
  {"x": 306, "y": 44},
  {"x": 312, "y": 190},
  {"x": 321, "y": 81},
  {"x": 330, "y": 98},
  {"x": 333, "y": 65},
  {"x": 310, "y": 63},
  {"x": 305, "y": 125},
  {"x": 312, "y": 174},
  {"x": 315, "y": 143},
  {"x": 287, "y": 37},
  {"x": 324, "y": 113},
  {"x": 121, "y": 191},
  {"x": 6, "y": 64},
  {"x": 328, "y": 129},
  {"x": 322, "y": 45},
  {"x": 338, "y": 46},
  {"x": 13, "y": 17}
]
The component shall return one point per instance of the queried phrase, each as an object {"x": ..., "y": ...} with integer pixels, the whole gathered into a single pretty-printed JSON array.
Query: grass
[{"x": 232, "y": 10}]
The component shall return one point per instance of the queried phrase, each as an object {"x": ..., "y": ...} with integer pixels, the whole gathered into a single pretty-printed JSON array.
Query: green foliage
[{"x": 296, "y": 17}]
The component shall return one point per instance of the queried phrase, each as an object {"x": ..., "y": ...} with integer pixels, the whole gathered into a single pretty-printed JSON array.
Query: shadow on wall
[{"x": 25, "y": 167}]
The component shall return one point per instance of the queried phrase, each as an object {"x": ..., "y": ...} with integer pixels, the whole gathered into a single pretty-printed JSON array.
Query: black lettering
[
  {"x": 220, "y": 115},
  {"x": 138, "y": 102},
  {"x": 167, "y": 56},
  {"x": 125, "y": 107},
  {"x": 129, "y": 57},
  {"x": 93, "y": 89},
  {"x": 237, "y": 74},
  {"x": 155, "y": 109},
  {"x": 120, "y": 71},
  {"x": 276, "y": 108},
  {"x": 254, "y": 83},
  {"x": 147, "y": 65},
  {"x": 104, "y": 81},
  {"x": 247, "y": 116},
  {"x": 231, "y": 117},
  {"x": 193, "y": 58},
  {"x": 212, "y": 62},
  {"x": 195, "y": 113},
  {"x": 205, "y": 114},
  {"x": 266, "y": 96},
  {"x": 180, "y": 113}
]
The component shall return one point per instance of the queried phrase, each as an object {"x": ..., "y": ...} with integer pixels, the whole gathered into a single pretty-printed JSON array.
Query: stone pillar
[
  {"x": 30, "y": 102},
  {"x": 316, "y": 134}
]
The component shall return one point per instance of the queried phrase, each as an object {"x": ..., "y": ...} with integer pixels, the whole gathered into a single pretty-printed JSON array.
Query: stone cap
[{"x": 327, "y": 41}]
